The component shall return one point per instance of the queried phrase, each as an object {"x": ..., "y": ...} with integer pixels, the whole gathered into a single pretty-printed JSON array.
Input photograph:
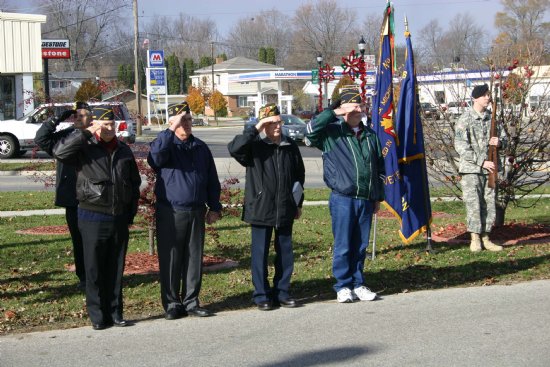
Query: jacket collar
[{"x": 284, "y": 140}]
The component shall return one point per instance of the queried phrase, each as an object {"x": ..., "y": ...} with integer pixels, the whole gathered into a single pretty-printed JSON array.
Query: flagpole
[
  {"x": 374, "y": 237},
  {"x": 429, "y": 247}
]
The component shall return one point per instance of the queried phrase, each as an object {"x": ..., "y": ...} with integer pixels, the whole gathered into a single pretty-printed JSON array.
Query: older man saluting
[
  {"x": 354, "y": 170},
  {"x": 107, "y": 189},
  {"x": 188, "y": 193},
  {"x": 273, "y": 199}
]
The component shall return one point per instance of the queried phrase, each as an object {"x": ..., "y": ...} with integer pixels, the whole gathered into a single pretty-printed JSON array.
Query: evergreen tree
[
  {"x": 173, "y": 74},
  {"x": 205, "y": 61},
  {"x": 223, "y": 56},
  {"x": 262, "y": 54},
  {"x": 270, "y": 56},
  {"x": 121, "y": 74},
  {"x": 187, "y": 70}
]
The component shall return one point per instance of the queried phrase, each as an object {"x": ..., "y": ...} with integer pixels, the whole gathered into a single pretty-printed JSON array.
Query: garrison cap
[
  {"x": 269, "y": 110},
  {"x": 350, "y": 94},
  {"x": 103, "y": 113},
  {"x": 178, "y": 108}
]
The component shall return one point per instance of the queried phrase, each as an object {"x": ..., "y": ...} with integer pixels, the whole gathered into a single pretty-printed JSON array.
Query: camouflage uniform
[{"x": 472, "y": 134}]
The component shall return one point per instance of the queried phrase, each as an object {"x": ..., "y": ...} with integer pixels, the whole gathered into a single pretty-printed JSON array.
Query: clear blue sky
[
  {"x": 419, "y": 12},
  {"x": 227, "y": 12}
]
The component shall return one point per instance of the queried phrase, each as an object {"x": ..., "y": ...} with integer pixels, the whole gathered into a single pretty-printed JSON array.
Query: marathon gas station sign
[{"x": 56, "y": 49}]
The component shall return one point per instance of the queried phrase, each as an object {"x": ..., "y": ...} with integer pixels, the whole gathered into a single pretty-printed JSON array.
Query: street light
[
  {"x": 319, "y": 59},
  {"x": 361, "y": 45},
  {"x": 320, "y": 63}
]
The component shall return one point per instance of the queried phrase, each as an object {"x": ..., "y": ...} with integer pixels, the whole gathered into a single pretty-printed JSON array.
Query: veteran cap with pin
[{"x": 178, "y": 108}]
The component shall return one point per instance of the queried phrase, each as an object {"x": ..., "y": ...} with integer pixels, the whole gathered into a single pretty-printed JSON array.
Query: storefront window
[{"x": 7, "y": 97}]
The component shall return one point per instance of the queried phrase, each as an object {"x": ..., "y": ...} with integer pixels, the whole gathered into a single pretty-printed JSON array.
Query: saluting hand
[
  {"x": 175, "y": 121},
  {"x": 94, "y": 126}
]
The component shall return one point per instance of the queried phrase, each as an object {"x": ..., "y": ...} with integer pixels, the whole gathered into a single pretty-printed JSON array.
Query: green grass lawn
[
  {"x": 36, "y": 292},
  {"x": 48, "y": 165}
]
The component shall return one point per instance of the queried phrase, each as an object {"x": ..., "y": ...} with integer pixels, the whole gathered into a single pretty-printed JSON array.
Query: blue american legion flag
[
  {"x": 382, "y": 117},
  {"x": 416, "y": 213}
]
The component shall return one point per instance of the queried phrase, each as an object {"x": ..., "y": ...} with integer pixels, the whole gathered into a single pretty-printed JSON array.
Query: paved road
[
  {"x": 216, "y": 138},
  {"x": 483, "y": 326}
]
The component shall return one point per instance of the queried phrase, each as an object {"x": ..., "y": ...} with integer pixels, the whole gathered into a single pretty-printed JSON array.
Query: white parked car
[
  {"x": 455, "y": 109},
  {"x": 16, "y": 136}
]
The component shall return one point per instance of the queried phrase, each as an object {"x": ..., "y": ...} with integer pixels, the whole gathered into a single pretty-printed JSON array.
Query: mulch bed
[
  {"x": 54, "y": 230},
  {"x": 143, "y": 263},
  {"x": 136, "y": 262},
  {"x": 508, "y": 234}
]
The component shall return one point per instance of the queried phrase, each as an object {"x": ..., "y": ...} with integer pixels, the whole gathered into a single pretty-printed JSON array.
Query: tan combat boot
[
  {"x": 491, "y": 246},
  {"x": 475, "y": 245}
]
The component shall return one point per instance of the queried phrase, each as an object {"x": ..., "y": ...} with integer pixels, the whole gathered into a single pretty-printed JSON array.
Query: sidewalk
[{"x": 478, "y": 326}]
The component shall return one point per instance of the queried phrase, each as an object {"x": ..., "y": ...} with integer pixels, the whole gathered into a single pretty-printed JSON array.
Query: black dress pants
[
  {"x": 71, "y": 216},
  {"x": 180, "y": 242},
  {"x": 105, "y": 245}
]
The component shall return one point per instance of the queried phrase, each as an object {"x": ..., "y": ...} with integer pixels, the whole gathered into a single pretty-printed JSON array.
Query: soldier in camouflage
[{"x": 472, "y": 140}]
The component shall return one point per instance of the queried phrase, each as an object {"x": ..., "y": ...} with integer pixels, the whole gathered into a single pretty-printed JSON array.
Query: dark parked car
[
  {"x": 293, "y": 126},
  {"x": 306, "y": 115},
  {"x": 429, "y": 111}
]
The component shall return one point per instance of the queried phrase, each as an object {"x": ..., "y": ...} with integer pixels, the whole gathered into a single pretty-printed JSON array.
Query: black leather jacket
[{"x": 106, "y": 183}]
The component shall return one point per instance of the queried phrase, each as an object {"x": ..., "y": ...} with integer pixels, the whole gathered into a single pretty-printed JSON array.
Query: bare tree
[
  {"x": 522, "y": 25},
  {"x": 86, "y": 23},
  {"x": 196, "y": 35},
  {"x": 326, "y": 28},
  {"x": 460, "y": 45},
  {"x": 370, "y": 30},
  {"x": 267, "y": 29}
]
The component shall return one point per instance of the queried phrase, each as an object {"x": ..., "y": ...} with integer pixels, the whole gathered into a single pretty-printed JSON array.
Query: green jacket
[{"x": 351, "y": 166}]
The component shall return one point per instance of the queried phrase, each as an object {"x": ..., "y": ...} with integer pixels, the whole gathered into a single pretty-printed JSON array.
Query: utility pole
[
  {"x": 136, "y": 69},
  {"x": 212, "y": 60}
]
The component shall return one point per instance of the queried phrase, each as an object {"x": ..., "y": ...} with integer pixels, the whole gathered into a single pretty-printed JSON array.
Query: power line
[{"x": 85, "y": 19}]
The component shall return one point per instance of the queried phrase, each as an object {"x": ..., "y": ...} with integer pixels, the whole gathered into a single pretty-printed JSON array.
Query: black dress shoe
[
  {"x": 98, "y": 326},
  {"x": 265, "y": 306},
  {"x": 200, "y": 312},
  {"x": 288, "y": 302},
  {"x": 120, "y": 322},
  {"x": 173, "y": 314}
]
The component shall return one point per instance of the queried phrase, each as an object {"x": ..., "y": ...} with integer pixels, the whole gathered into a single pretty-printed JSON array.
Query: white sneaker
[
  {"x": 344, "y": 295},
  {"x": 363, "y": 293}
]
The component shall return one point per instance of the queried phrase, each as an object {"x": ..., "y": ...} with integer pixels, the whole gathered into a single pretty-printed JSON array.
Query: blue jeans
[
  {"x": 351, "y": 223},
  {"x": 284, "y": 262}
]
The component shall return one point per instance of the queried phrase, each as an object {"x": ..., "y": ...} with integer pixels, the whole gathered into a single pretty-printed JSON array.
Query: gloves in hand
[{"x": 65, "y": 115}]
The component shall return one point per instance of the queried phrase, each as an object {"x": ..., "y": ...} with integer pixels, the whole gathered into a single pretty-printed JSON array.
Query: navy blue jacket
[{"x": 186, "y": 173}]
